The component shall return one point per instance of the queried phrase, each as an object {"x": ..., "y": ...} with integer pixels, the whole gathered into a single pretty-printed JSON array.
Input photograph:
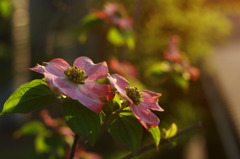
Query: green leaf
[
  {"x": 31, "y": 128},
  {"x": 129, "y": 39},
  {"x": 5, "y": 8},
  {"x": 89, "y": 24},
  {"x": 116, "y": 99},
  {"x": 112, "y": 104},
  {"x": 82, "y": 120},
  {"x": 40, "y": 144},
  {"x": 28, "y": 97},
  {"x": 172, "y": 130},
  {"x": 180, "y": 81},
  {"x": 126, "y": 129},
  {"x": 115, "y": 37},
  {"x": 89, "y": 19},
  {"x": 156, "y": 134},
  {"x": 120, "y": 38}
]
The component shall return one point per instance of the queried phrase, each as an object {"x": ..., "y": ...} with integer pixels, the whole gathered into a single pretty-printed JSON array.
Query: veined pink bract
[
  {"x": 77, "y": 82},
  {"x": 139, "y": 107}
]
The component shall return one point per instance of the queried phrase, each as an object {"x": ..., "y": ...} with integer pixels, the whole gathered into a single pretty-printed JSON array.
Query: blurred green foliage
[
  {"x": 47, "y": 142},
  {"x": 198, "y": 26},
  {"x": 5, "y": 39},
  {"x": 5, "y": 8},
  {"x": 121, "y": 38}
]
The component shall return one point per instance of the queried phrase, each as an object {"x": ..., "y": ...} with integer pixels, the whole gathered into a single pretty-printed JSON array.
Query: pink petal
[
  {"x": 145, "y": 116},
  {"x": 56, "y": 67},
  {"x": 94, "y": 95},
  {"x": 150, "y": 100},
  {"x": 66, "y": 87},
  {"x": 194, "y": 72},
  {"x": 119, "y": 83},
  {"x": 94, "y": 71},
  {"x": 125, "y": 23},
  {"x": 39, "y": 68},
  {"x": 61, "y": 85}
]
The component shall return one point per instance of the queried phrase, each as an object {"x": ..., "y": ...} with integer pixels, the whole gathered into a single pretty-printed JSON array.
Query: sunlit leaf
[
  {"x": 156, "y": 134},
  {"x": 28, "y": 97},
  {"x": 5, "y": 8},
  {"x": 31, "y": 128},
  {"x": 129, "y": 39},
  {"x": 82, "y": 120},
  {"x": 116, "y": 99},
  {"x": 40, "y": 144},
  {"x": 180, "y": 81},
  {"x": 88, "y": 19},
  {"x": 159, "y": 68},
  {"x": 126, "y": 129},
  {"x": 115, "y": 37},
  {"x": 113, "y": 103},
  {"x": 171, "y": 131},
  {"x": 131, "y": 42}
]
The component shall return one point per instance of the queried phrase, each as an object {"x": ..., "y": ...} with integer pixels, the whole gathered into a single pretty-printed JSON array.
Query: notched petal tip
[
  {"x": 38, "y": 68},
  {"x": 161, "y": 109}
]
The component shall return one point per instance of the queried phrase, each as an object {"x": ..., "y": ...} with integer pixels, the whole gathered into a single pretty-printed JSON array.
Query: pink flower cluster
[
  {"x": 172, "y": 54},
  {"x": 115, "y": 14},
  {"x": 78, "y": 82}
]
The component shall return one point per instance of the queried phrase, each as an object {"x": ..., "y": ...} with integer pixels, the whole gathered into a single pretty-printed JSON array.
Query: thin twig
[
  {"x": 74, "y": 146},
  {"x": 162, "y": 141}
]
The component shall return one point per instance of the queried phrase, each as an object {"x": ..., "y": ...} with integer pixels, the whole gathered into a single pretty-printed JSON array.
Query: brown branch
[{"x": 163, "y": 140}]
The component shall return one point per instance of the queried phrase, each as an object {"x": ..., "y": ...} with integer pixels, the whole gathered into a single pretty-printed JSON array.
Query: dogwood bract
[
  {"x": 139, "y": 101},
  {"x": 77, "y": 81}
]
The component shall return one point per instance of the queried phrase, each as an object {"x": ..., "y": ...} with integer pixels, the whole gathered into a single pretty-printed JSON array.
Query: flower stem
[{"x": 74, "y": 146}]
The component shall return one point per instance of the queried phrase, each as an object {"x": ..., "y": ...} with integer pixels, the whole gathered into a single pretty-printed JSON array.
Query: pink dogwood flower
[
  {"x": 115, "y": 14},
  {"x": 172, "y": 54},
  {"x": 139, "y": 101},
  {"x": 77, "y": 82}
]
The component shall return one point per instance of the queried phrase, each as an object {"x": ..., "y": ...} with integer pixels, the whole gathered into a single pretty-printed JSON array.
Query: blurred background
[{"x": 188, "y": 50}]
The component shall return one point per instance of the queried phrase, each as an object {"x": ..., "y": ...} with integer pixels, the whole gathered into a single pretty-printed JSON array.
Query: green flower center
[
  {"x": 134, "y": 94},
  {"x": 76, "y": 75}
]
